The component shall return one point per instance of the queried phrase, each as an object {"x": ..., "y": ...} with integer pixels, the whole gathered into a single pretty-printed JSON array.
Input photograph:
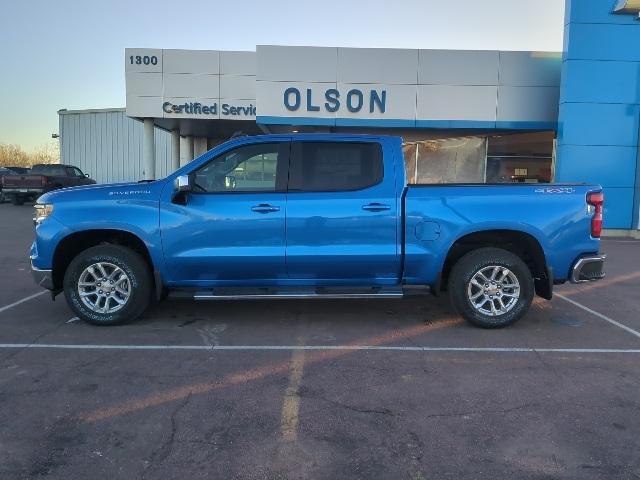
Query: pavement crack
[
  {"x": 413, "y": 342},
  {"x": 482, "y": 412},
  {"x": 383, "y": 411},
  {"x": 546, "y": 365},
  {"x": 164, "y": 451},
  {"x": 32, "y": 342},
  {"x": 353, "y": 408}
]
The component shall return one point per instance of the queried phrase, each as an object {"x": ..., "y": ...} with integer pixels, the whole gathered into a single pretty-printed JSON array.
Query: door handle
[
  {"x": 376, "y": 207},
  {"x": 265, "y": 208}
]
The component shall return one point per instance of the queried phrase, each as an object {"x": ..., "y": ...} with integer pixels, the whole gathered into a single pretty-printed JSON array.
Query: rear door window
[{"x": 335, "y": 166}]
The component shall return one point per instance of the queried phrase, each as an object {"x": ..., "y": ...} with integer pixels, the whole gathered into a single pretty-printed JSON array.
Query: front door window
[{"x": 251, "y": 168}]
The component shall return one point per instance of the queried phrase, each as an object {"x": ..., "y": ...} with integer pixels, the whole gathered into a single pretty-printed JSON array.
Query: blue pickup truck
[{"x": 313, "y": 216}]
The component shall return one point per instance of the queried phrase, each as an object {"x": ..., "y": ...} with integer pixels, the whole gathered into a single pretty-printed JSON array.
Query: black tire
[
  {"x": 17, "y": 200},
  {"x": 131, "y": 263},
  {"x": 471, "y": 263}
]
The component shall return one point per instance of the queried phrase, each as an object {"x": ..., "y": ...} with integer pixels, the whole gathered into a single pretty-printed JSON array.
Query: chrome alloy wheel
[
  {"x": 104, "y": 287},
  {"x": 493, "y": 290}
]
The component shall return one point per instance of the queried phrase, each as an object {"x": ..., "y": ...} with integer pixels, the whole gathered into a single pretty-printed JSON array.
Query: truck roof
[
  {"x": 51, "y": 165},
  {"x": 320, "y": 136}
]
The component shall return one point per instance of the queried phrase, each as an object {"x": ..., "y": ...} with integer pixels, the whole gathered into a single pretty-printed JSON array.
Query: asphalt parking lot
[{"x": 320, "y": 389}]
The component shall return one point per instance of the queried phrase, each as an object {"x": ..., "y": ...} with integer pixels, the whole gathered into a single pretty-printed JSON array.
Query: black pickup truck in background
[{"x": 20, "y": 188}]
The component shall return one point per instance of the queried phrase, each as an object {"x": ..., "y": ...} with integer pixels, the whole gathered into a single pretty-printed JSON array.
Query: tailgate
[{"x": 23, "y": 181}]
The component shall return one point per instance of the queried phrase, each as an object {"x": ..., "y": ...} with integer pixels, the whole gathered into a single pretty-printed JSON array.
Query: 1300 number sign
[{"x": 143, "y": 60}]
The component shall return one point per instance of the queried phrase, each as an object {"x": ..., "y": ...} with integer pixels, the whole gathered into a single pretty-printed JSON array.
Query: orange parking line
[
  {"x": 256, "y": 373},
  {"x": 602, "y": 283}
]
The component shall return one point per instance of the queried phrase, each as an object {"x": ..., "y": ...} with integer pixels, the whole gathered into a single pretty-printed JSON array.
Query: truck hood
[{"x": 113, "y": 191}]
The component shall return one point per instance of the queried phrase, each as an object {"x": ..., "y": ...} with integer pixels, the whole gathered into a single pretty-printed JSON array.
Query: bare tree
[{"x": 14, "y": 155}]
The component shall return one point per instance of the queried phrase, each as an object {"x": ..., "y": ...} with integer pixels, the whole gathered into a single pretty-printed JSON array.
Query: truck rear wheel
[
  {"x": 108, "y": 285},
  {"x": 17, "y": 200},
  {"x": 491, "y": 287}
]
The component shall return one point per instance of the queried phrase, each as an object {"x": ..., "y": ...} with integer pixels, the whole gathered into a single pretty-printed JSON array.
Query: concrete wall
[
  {"x": 600, "y": 106},
  {"x": 413, "y": 88},
  {"x": 207, "y": 77},
  {"x": 422, "y": 88}
]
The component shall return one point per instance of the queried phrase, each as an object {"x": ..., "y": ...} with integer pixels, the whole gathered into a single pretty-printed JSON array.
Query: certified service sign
[{"x": 197, "y": 109}]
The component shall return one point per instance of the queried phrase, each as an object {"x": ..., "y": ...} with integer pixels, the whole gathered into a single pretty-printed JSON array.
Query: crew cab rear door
[{"x": 342, "y": 214}]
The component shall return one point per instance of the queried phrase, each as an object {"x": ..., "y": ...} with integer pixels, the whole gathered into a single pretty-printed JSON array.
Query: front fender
[
  {"x": 138, "y": 217},
  {"x": 150, "y": 238},
  {"x": 49, "y": 234}
]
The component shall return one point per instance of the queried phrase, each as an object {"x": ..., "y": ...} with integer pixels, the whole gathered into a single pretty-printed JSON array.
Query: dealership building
[{"x": 465, "y": 116}]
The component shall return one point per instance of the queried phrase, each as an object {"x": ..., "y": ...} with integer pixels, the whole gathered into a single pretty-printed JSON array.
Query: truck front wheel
[
  {"x": 491, "y": 287},
  {"x": 108, "y": 285}
]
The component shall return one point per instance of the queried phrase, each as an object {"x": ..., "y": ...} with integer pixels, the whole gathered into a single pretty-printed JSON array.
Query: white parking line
[
  {"x": 210, "y": 348},
  {"x": 600, "y": 315},
  {"x": 25, "y": 299}
]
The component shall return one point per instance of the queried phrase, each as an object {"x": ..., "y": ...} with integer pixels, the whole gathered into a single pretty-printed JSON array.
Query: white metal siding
[{"x": 108, "y": 145}]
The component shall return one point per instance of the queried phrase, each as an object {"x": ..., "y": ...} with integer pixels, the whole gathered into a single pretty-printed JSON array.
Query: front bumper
[
  {"x": 588, "y": 268},
  {"x": 43, "y": 278}
]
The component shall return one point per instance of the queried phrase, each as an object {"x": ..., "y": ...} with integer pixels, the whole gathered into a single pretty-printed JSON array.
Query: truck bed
[{"x": 556, "y": 215}]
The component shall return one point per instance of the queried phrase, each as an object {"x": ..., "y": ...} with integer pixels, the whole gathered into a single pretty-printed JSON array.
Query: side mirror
[
  {"x": 182, "y": 183},
  {"x": 86, "y": 175}
]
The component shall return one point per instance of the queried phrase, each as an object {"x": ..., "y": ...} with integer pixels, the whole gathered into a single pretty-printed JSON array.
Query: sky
[{"x": 70, "y": 53}]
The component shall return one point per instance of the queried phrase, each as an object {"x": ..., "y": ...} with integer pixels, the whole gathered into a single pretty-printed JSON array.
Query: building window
[
  {"x": 520, "y": 158},
  {"x": 445, "y": 160},
  {"x": 504, "y": 158}
]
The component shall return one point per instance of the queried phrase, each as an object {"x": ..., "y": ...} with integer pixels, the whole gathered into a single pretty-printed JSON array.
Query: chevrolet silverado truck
[
  {"x": 313, "y": 216},
  {"x": 24, "y": 187}
]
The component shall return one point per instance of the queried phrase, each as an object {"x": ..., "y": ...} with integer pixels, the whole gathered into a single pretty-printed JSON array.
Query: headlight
[{"x": 43, "y": 210}]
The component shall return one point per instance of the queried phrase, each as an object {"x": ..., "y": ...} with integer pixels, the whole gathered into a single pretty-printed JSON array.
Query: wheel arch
[
  {"x": 521, "y": 243},
  {"x": 78, "y": 241}
]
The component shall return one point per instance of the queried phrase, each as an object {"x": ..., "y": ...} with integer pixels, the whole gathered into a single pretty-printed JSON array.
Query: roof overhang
[{"x": 213, "y": 128}]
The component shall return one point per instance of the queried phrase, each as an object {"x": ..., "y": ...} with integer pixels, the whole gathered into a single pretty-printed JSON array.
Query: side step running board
[{"x": 291, "y": 294}]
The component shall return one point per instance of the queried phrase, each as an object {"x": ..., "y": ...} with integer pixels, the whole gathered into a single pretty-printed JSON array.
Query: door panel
[
  {"x": 346, "y": 233},
  {"x": 222, "y": 238},
  {"x": 230, "y": 229}
]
